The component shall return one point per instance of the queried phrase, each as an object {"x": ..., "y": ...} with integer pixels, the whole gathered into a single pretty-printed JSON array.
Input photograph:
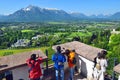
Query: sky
[{"x": 88, "y": 7}]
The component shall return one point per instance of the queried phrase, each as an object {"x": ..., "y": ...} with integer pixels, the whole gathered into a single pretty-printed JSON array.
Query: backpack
[
  {"x": 98, "y": 66},
  {"x": 74, "y": 61}
]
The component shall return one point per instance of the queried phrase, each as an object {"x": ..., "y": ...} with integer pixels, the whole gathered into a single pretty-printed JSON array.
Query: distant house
[
  {"x": 16, "y": 64},
  {"x": 80, "y": 30},
  {"x": 21, "y": 43},
  {"x": 37, "y": 37},
  {"x": 115, "y": 32},
  {"x": 117, "y": 70},
  {"x": 85, "y": 56},
  {"x": 62, "y": 29}
]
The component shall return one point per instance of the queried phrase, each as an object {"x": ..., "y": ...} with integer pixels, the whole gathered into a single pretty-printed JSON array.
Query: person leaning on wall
[{"x": 34, "y": 67}]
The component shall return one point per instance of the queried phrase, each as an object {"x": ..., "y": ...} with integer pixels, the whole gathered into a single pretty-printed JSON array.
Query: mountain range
[{"x": 37, "y": 14}]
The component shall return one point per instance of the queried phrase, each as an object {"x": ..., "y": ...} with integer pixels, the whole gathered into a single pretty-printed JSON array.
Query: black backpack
[{"x": 74, "y": 61}]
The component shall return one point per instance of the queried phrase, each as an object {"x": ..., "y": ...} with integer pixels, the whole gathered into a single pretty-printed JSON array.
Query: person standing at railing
[
  {"x": 71, "y": 63},
  {"x": 58, "y": 58}
]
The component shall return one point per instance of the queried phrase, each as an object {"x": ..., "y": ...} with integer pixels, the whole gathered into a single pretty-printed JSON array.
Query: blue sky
[{"x": 87, "y": 7}]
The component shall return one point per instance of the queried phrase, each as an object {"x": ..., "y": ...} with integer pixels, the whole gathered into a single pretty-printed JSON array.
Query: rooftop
[
  {"x": 82, "y": 49},
  {"x": 117, "y": 68},
  {"x": 17, "y": 60}
]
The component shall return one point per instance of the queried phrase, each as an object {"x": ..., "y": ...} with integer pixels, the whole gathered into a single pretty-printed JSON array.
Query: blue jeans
[
  {"x": 71, "y": 77},
  {"x": 59, "y": 72}
]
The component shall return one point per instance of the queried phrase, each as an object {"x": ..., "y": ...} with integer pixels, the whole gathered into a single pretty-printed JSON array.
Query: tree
[{"x": 114, "y": 41}]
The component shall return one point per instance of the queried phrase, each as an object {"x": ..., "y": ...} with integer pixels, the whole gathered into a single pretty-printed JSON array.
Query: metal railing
[{"x": 115, "y": 62}]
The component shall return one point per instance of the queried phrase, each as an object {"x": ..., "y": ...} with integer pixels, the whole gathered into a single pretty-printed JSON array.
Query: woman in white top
[
  {"x": 97, "y": 68},
  {"x": 103, "y": 64}
]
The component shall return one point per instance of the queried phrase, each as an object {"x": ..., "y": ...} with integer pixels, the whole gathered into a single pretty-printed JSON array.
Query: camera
[{"x": 37, "y": 55}]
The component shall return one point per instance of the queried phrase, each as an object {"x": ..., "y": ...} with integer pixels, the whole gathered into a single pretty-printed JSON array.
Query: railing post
[
  {"x": 113, "y": 74},
  {"x": 46, "y": 61}
]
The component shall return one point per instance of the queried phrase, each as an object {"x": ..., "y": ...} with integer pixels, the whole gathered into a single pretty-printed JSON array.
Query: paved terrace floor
[
  {"x": 77, "y": 76},
  {"x": 51, "y": 75}
]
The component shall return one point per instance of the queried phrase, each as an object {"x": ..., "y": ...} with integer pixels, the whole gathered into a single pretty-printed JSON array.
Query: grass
[
  {"x": 73, "y": 34},
  {"x": 104, "y": 24},
  {"x": 28, "y": 31},
  {"x": 60, "y": 33},
  {"x": 16, "y": 51},
  {"x": 79, "y": 34},
  {"x": 57, "y": 23}
]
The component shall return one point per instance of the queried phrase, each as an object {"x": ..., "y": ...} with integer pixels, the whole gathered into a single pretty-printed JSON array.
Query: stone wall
[
  {"x": 20, "y": 73},
  {"x": 86, "y": 67}
]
